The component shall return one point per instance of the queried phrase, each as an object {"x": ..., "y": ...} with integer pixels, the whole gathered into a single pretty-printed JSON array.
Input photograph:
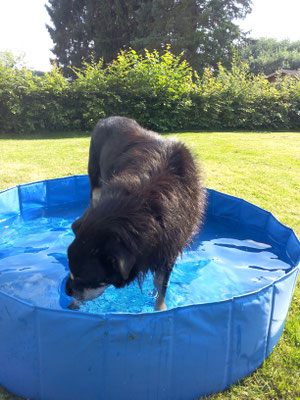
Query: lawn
[{"x": 263, "y": 168}]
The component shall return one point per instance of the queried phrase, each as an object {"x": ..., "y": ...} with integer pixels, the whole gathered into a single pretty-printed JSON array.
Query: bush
[
  {"x": 30, "y": 103},
  {"x": 152, "y": 89},
  {"x": 46, "y": 103},
  {"x": 238, "y": 100},
  {"x": 161, "y": 92}
]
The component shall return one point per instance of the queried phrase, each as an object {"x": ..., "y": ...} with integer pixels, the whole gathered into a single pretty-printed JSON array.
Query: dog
[{"x": 146, "y": 202}]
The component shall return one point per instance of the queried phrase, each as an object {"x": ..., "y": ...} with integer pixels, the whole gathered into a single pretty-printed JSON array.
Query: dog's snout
[{"x": 68, "y": 287}]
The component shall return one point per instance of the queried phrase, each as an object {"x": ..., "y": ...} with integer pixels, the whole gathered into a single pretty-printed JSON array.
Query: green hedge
[{"x": 161, "y": 92}]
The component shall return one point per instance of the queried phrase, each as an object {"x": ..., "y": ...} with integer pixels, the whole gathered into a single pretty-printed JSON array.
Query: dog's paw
[{"x": 73, "y": 306}]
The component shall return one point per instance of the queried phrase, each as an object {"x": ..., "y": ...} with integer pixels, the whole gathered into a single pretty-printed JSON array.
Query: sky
[{"x": 23, "y": 27}]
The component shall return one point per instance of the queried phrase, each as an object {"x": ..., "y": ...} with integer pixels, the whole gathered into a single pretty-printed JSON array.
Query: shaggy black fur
[{"x": 150, "y": 205}]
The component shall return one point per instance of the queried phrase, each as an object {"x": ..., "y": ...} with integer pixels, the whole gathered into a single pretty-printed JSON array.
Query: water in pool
[{"x": 225, "y": 260}]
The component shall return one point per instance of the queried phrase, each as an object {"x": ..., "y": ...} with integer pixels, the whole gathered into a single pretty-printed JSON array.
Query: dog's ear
[
  {"x": 122, "y": 259},
  {"x": 76, "y": 225}
]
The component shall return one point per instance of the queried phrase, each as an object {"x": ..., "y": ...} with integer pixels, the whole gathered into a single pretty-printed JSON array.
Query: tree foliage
[
  {"x": 8, "y": 59},
  {"x": 202, "y": 29},
  {"x": 267, "y": 55}
]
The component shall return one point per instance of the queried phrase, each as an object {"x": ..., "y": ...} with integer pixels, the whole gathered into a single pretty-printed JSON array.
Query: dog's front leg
[
  {"x": 95, "y": 196},
  {"x": 161, "y": 280}
]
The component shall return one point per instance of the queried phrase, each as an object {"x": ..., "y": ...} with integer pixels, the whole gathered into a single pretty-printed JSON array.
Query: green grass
[{"x": 263, "y": 168}]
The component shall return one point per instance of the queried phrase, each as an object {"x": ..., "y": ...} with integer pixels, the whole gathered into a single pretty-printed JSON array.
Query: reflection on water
[{"x": 225, "y": 260}]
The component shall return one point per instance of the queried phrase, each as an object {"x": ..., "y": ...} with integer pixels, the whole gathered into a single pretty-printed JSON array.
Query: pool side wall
[{"x": 183, "y": 353}]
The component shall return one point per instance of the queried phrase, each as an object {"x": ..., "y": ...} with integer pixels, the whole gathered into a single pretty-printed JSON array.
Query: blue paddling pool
[{"x": 227, "y": 302}]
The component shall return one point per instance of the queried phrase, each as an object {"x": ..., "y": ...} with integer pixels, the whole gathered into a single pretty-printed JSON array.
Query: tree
[
  {"x": 268, "y": 55},
  {"x": 202, "y": 29},
  {"x": 111, "y": 25},
  {"x": 72, "y": 42}
]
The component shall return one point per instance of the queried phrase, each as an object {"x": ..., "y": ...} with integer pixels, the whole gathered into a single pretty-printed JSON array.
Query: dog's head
[{"x": 97, "y": 260}]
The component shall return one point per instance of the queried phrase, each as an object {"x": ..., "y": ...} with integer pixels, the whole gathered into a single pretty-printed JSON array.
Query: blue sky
[{"x": 22, "y": 26}]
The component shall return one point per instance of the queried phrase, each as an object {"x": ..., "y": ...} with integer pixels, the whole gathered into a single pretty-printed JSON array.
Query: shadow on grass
[{"x": 46, "y": 135}]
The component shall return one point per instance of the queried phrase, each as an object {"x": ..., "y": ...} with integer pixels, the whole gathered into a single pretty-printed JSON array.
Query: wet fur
[{"x": 148, "y": 202}]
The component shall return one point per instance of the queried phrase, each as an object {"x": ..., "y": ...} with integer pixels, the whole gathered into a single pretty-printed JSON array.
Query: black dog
[{"x": 146, "y": 203}]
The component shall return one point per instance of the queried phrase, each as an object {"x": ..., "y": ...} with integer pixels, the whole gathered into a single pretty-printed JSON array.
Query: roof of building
[{"x": 291, "y": 72}]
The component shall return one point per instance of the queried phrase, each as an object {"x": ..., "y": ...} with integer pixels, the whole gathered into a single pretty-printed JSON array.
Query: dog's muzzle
[{"x": 85, "y": 294}]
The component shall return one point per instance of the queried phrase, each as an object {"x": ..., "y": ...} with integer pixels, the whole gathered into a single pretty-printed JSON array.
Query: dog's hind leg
[{"x": 161, "y": 280}]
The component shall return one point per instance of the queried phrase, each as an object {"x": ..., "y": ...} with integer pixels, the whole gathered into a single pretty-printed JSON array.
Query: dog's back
[{"x": 111, "y": 146}]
